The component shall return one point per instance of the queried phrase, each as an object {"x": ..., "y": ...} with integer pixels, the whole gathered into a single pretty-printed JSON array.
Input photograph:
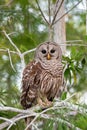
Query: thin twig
[
  {"x": 7, "y": 4},
  {"x": 5, "y": 119},
  {"x": 11, "y": 60},
  {"x": 26, "y": 52},
  {"x": 70, "y": 125},
  {"x": 17, "y": 49},
  {"x": 49, "y": 10},
  {"x": 6, "y": 50},
  {"x": 42, "y": 12},
  {"x": 11, "y": 33},
  {"x": 32, "y": 121},
  {"x": 7, "y": 36},
  {"x": 67, "y": 12},
  {"x": 21, "y": 117},
  {"x": 35, "y": 127},
  {"x": 84, "y": 45},
  {"x": 86, "y": 17}
]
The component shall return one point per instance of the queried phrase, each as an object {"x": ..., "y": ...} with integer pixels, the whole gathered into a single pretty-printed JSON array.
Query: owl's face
[{"x": 48, "y": 52}]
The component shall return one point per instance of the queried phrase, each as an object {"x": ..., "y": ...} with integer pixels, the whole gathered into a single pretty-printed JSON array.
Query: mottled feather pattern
[
  {"x": 37, "y": 78},
  {"x": 30, "y": 82}
]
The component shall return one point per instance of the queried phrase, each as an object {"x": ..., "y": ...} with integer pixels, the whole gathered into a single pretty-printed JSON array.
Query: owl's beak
[{"x": 48, "y": 56}]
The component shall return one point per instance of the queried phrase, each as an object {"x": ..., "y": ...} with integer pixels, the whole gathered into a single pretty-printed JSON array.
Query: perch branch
[{"x": 31, "y": 112}]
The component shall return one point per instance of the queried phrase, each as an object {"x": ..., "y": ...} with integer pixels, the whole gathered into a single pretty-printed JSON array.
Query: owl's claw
[
  {"x": 44, "y": 104},
  {"x": 49, "y": 104}
]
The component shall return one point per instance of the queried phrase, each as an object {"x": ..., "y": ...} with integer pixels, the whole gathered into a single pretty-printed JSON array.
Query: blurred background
[{"x": 22, "y": 21}]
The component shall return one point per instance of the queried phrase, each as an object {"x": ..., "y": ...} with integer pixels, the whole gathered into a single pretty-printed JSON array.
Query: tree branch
[
  {"x": 7, "y": 4},
  {"x": 42, "y": 12},
  {"x": 56, "y": 12},
  {"x": 33, "y": 111},
  {"x": 11, "y": 60},
  {"x": 67, "y": 12},
  {"x": 6, "y": 50},
  {"x": 49, "y": 10},
  {"x": 12, "y": 43},
  {"x": 26, "y": 52}
]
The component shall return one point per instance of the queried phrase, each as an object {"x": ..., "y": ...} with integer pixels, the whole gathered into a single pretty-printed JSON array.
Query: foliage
[{"x": 25, "y": 26}]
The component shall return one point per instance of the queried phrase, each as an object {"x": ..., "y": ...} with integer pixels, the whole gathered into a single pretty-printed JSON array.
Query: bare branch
[
  {"x": 67, "y": 12},
  {"x": 55, "y": 15},
  {"x": 12, "y": 109},
  {"x": 26, "y": 52},
  {"x": 7, "y": 36},
  {"x": 86, "y": 17},
  {"x": 60, "y": 105},
  {"x": 17, "y": 49},
  {"x": 11, "y": 33},
  {"x": 14, "y": 120},
  {"x": 42, "y": 12},
  {"x": 49, "y": 10},
  {"x": 74, "y": 44},
  {"x": 7, "y": 4},
  {"x": 6, "y": 50},
  {"x": 21, "y": 117},
  {"x": 35, "y": 126},
  {"x": 11, "y": 60},
  {"x": 5, "y": 119}
]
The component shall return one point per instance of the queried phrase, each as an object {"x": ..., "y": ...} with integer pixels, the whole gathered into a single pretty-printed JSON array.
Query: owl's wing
[{"x": 30, "y": 83}]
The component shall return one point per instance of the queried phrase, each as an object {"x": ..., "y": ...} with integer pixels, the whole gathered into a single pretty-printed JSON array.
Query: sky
[{"x": 82, "y": 5}]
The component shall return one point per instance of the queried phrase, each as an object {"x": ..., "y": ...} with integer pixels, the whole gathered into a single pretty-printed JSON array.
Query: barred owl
[{"x": 43, "y": 77}]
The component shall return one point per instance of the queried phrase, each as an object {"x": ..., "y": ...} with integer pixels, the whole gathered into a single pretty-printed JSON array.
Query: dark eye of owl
[
  {"x": 52, "y": 51},
  {"x": 43, "y": 51}
]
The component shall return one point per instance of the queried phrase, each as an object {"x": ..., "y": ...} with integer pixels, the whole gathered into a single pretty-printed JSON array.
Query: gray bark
[{"x": 59, "y": 28}]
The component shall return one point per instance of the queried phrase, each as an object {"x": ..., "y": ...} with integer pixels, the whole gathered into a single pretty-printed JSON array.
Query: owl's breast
[{"x": 50, "y": 84}]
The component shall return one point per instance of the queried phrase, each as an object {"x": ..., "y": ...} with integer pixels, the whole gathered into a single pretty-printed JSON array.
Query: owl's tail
[{"x": 28, "y": 121}]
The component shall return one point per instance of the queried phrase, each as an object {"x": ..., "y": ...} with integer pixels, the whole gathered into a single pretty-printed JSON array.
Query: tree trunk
[{"x": 59, "y": 27}]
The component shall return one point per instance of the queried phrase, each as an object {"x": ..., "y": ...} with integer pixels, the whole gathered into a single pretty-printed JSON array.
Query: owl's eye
[
  {"x": 52, "y": 51},
  {"x": 43, "y": 51}
]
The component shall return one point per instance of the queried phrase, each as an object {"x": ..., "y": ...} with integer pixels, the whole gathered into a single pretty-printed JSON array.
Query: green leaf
[
  {"x": 64, "y": 95},
  {"x": 67, "y": 74},
  {"x": 83, "y": 62}
]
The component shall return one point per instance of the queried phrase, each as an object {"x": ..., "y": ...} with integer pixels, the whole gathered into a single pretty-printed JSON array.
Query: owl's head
[{"x": 48, "y": 51}]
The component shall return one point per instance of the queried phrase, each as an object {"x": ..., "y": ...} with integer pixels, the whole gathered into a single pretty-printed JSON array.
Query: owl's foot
[
  {"x": 41, "y": 103},
  {"x": 44, "y": 104},
  {"x": 49, "y": 103}
]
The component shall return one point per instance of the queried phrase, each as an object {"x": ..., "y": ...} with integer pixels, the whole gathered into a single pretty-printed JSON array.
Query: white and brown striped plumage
[{"x": 43, "y": 77}]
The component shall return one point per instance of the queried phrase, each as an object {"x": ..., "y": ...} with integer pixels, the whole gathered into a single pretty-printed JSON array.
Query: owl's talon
[
  {"x": 49, "y": 103},
  {"x": 44, "y": 104}
]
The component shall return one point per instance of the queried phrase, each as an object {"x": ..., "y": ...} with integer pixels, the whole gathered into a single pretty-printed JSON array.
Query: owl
[{"x": 42, "y": 79}]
